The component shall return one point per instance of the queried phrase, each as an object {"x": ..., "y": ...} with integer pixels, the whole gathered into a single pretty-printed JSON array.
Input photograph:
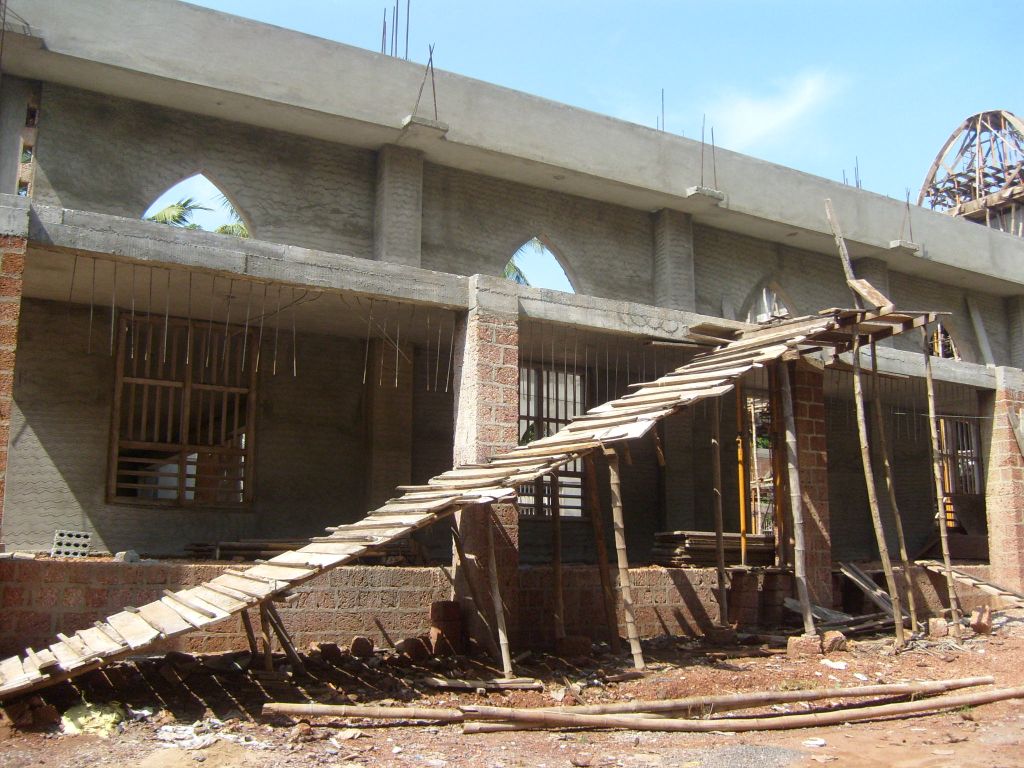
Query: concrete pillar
[
  {"x": 809, "y": 413},
  {"x": 398, "y": 208},
  {"x": 876, "y": 272},
  {"x": 674, "y": 284},
  {"x": 388, "y": 420},
  {"x": 13, "y": 250},
  {"x": 487, "y": 422},
  {"x": 1004, "y": 483},
  {"x": 1015, "y": 328}
]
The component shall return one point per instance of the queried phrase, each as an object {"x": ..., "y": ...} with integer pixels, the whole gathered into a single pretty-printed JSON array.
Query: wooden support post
[
  {"x": 716, "y": 492},
  {"x": 940, "y": 502},
  {"x": 250, "y": 635},
  {"x": 869, "y": 484},
  {"x": 778, "y": 438},
  {"x": 596, "y": 522},
  {"x": 795, "y": 498},
  {"x": 742, "y": 488},
  {"x": 499, "y": 605},
  {"x": 625, "y": 588},
  {"x": 556, "y": 559},
  {"x": 285, "y": 639},
  {"x": 268, "y": 656},
  {"x": 881, "y": 435}
]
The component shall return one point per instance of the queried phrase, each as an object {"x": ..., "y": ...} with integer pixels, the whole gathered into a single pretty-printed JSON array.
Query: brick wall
[
  {"x": 42, "y": 597},
  {"x": 1005, "y": 484},
  {"x": 809, "y": 413},
  {"x": 12, "y": 267}
]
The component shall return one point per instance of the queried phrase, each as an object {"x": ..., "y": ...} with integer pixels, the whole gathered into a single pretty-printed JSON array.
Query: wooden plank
[
  {"x": 12, "y": 671},
  {"x": 195, "y": 618},
  {"x": 245, "y": 586},
  {"x": 98, "y": 643},
  {"x": 278, "y": 572},
  {"x": 687, "y": 376},
  {"x": 66, "y": 656},
  {"x": 309, "y": 558},
  {"x": 133, "y": 628},
  {"x": 984, "y": 586},
  {"x": 182, "y": 598},
  {"x": 866, "y": 584},
  {"x": 164, "y": 619},
  {"x": 218, "y": 600}
]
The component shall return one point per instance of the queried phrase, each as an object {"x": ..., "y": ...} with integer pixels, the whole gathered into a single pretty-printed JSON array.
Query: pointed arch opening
[
  {"x": 766, "y": 303},
  {"x": 536, "y": 263},
  {"x": 198, "y": 203}
]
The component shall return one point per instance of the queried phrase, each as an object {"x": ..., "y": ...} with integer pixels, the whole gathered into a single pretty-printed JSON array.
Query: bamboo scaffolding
[
  {"x": 716, "y": 492},
  {"x": 796, "y": 503},
  {"x": 881, "y": 435},
  {"x": 625, "y": 588},
  {"x": 604, "y": 572},
  {"x": 940, "y": 516},
  {"x": 869, "y": 483},
  {"x": 499, "y": 605},
  {"x": 474, "y": 594},
  {"x": 556, "y": 558},
  {"x": 742, "y": 486}
]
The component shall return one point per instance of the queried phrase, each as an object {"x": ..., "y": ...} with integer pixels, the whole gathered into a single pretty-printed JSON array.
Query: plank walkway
[{"x": 710, "y": 374}]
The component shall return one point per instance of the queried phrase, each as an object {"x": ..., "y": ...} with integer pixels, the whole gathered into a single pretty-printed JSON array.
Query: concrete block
[
  {"x": 803, "y": 645},
  {"x": 981, "y": 620},
  {"x": 938, "y": 627},
  {"x": 833, "y": 642}
]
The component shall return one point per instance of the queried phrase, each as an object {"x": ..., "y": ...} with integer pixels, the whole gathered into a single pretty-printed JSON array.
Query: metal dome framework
[{"x": 979, "y": 172}]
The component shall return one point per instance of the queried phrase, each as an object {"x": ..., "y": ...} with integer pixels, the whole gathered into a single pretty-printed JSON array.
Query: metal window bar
[
  {"x": 960, "y": 460},
  {"x": 183, "y": 413},
  {"x": 549, "y": 398}
]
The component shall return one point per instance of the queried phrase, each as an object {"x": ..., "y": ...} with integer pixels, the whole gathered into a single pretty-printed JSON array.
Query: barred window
[
  {"x": 548, "y": 400},
  {"x": 960, "y": 462},
  {"x": 184, "y": 409}
]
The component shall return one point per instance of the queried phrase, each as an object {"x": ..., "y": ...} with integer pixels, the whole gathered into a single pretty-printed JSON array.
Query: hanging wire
[
  {"x": 245, "y": 328},
  {"x": 366, "y": 355},
  {"x": 92, "y": 306},
  {"x": 295, "y": 340}
]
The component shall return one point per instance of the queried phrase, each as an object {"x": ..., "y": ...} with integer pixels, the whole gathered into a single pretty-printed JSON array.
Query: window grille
[
  {"x": 548, "y": 400},
  {"x": 960, "y": 461},
  {"x": 184, "y": 409}
]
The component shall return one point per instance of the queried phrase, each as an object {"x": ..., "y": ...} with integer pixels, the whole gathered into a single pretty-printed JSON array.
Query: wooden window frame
[{"x": 193, "y": 370}]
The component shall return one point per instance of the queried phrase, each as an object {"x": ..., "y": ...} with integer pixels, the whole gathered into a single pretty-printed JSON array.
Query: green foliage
[{"x": 179, "y": 214}]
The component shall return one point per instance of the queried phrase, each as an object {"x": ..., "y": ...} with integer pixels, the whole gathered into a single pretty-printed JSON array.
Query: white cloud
[{"x": 744, "y": 122}]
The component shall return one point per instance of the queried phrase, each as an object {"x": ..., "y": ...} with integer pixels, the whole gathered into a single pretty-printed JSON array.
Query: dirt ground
[{"x": 205, "y": 711}]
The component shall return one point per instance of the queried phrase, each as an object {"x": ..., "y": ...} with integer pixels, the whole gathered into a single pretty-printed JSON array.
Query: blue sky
[{"x": 816, "y": 86}]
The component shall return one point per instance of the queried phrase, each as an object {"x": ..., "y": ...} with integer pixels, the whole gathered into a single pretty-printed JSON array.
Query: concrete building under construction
[{"x": 202, "y": 398}]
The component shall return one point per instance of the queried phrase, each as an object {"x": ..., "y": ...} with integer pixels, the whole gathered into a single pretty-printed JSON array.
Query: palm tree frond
[
  {"x": 514, "y": 272},
  {"x": 178, "y": 214},
  {"x": 236, "y": 229}
]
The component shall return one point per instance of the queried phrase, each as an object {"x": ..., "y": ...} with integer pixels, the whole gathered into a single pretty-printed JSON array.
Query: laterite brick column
[
  {"x": 809, "y": 413},
  {"x": 1004, "y": 484},
  {"x": 487, "y": 422},
  {"x": 12, "y": 267}
]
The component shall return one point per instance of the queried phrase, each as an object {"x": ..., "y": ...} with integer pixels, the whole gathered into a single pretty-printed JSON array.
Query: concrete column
[
  {"x": 876, "y": 272},
  {"x": 12, "y": 267},
  {"x": 674, "y": 284},
  {"x": 398, "y": 208},
  {"x": 809, "y": 408},
  {"x": 388, "y": 420},
  {"x": 1004, "y": 483},
  {"x": 1015, "y": 327},
  {"x": 487, "y": 422}
]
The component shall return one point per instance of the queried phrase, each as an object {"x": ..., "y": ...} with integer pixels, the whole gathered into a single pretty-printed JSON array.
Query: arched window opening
[
  {"x": 534, "y": 264},
  {"x": 197, "y": 203},
  {"x": 941, "y": 344},
  {"x": 767, "y": 306}
]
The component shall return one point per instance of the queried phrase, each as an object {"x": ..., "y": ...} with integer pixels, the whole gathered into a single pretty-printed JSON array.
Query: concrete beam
[
  {"x": 900, "y": 362},
  {"x": 398, "y": 207}
]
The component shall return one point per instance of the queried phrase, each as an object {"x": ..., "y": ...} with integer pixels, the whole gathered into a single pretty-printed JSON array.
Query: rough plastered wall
[
  {"x": 99, "y": 153},
  {"x": 474, "y": 224},
  {"x": 309, "y": 450}
]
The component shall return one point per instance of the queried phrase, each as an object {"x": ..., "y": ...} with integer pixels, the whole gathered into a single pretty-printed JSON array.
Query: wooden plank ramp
[
  {"x": 711, "y": 374},
  {"x": 1008, "y": 596}
]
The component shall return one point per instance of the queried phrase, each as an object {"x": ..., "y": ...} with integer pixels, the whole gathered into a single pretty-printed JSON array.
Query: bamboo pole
[
  {"x": 881, "y": 435},
  {"x": 596, "y": 522},
  {"x": 268, "y": 655},
  {"x": 940, "y": 517},
  {"x": 742, "y": 488},
  {"x": 778, "y": 486},
  {"x": 499, "y": 605},
  {"x": 869, "y": 483},
  {"x": 700, "y": 706},
  {"x": 625, "y": 588},
  {"x": 474, "y": 594},
  {"x": 716, "y": 482},
  {"x": 556, "y": 559},
  {"x": 435, "y": 714},
  {"x": 250, "y": 635},
  {"x": 738, "y": 724},
  {"x": 795, "y": 499}
]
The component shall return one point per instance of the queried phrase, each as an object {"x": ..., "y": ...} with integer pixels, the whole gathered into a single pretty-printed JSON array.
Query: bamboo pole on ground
[
  {"x": 742, "y": 488},
  {"x": 744, "y": 724},
  {"x": 499, "y": 605},
  {"x": 796, "y": 503},
  {"x": 596, "y": 522},
  {"x": 716, "y": 491},
  {"x": 940, "y": 517},
  {"x": 869, "y": 483},
  {"x": 699, "y": 706},
  {"x": 881, "y": 434},
  {"x": 625, "y": 588},
  {"x": 556, "y": 559}
]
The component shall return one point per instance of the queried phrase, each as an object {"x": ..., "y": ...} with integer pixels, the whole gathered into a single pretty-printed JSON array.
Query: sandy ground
[{"x": 191, "y": 701}]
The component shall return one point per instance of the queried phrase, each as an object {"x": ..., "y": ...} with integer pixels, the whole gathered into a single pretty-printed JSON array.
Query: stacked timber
[{"x": 673, "y": 549}]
